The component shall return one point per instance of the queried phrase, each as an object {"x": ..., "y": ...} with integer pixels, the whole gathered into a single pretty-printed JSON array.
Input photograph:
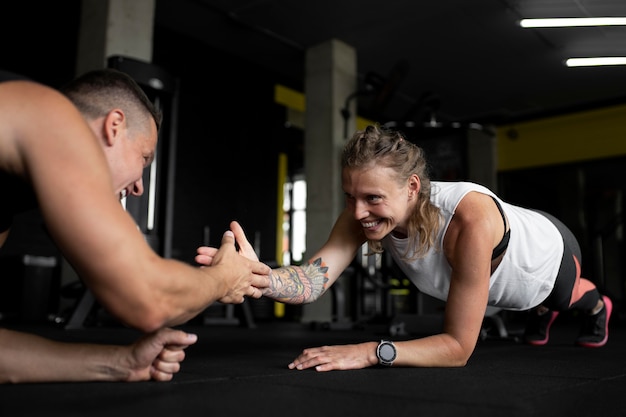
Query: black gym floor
[{"x": 241, "y": 371}]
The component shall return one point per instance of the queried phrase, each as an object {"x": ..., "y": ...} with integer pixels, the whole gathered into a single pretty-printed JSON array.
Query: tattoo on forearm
[{"x": 298, "y": 285}]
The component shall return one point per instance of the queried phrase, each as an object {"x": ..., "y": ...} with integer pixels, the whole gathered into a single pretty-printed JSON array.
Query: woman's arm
[
  {"x": 475, "y": 229},
  {"x": 306, "y": 283}
]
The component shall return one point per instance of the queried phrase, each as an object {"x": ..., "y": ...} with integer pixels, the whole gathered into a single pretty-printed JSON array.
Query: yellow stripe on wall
[
  {"x": 574, "y": 137},
  {"x": 362, "y": 123},
  {"x": 296, "y": 100},
  {"x": 289, "y": 98}
]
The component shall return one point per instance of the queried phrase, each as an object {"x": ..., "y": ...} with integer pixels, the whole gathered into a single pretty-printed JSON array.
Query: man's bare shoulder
[{"x": 29, "y": 113}]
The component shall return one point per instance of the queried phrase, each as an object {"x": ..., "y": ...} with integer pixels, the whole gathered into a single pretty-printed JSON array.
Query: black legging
[{"x": 561, "y": 294}]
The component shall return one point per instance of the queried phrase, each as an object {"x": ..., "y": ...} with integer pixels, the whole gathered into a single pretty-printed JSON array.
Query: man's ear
[{"x": 114, "y": 124}]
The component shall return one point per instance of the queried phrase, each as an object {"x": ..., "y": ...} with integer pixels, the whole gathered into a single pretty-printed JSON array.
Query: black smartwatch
[{"x": 386, "y": 352}]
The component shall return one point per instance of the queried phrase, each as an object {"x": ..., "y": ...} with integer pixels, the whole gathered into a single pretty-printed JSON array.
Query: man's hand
[
  {"x": 157, "y": 355},
  {"x": 244, "y": 277}
]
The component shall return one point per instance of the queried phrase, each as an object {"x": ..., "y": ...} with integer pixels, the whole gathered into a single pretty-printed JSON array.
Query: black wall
[
  {"x": 230, "y": 135},
  {"x": 39, "y": 39},
  {"x": 229, "y": 129}
]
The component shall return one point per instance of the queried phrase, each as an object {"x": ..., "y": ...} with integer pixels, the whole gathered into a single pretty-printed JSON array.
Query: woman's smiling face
[{"x": 378, "y": 201}]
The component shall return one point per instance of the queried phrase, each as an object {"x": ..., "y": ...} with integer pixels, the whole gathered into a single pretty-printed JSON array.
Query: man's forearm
[{"x": 298, "y": 285}]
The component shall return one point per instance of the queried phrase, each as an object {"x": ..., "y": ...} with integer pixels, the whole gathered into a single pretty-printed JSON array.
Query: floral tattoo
[{"x": 298, "y": 285}]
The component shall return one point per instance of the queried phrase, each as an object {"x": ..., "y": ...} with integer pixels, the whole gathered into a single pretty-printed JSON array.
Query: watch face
[{"x": 387, "y": 352}]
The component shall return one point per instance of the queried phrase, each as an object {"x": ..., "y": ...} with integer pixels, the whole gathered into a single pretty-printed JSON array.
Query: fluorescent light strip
[
  {"x": 570, "y": 22},
  {"x": 592, "y": 62}
]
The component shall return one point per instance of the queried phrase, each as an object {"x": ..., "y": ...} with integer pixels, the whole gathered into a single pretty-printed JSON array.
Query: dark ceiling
[{"x": 461, "y": 60}]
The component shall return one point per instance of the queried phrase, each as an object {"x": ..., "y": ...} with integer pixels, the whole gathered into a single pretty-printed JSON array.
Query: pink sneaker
[
  {"x": 595, "y": 329},
  {"x": 537, "y": 330}
]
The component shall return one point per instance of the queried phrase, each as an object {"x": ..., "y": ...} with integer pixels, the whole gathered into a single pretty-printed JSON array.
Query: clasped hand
[{"x": 249, "y": 276}]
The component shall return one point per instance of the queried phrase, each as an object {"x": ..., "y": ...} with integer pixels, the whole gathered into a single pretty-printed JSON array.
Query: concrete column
[
  {"x": 330, "y": 78},
  {"x": 114, "y": 27}
]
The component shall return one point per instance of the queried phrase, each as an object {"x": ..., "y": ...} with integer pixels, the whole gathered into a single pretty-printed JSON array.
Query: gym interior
[{"x": 233, "y": 147}]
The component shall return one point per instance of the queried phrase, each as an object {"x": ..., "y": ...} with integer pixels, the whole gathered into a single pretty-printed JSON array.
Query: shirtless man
[{"x": 79, "y": 156}]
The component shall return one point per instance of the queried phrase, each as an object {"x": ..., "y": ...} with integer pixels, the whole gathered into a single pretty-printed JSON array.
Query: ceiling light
[
  {"x": 590, "y": 62},
  {"x": 569, "y": 22}
]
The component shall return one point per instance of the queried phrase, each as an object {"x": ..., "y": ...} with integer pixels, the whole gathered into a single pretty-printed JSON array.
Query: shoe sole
[
  {"x": 609, "y": 309},
  {"x": 545, "y": 339}
]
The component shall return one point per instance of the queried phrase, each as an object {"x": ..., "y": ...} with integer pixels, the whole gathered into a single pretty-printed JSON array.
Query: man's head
[{"x": 125, "y": 120}]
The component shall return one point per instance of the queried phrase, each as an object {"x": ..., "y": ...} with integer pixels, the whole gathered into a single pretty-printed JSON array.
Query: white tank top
[{"x": 527, "y": 272}]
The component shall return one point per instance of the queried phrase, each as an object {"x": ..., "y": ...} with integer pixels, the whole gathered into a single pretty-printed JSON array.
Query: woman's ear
[{"x": 414, "y": 186}]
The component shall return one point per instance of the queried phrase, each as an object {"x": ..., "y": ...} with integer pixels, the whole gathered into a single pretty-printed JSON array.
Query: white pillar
[
  {"x": 114, "y": 27},
  {"x": 330, "y": 78}
]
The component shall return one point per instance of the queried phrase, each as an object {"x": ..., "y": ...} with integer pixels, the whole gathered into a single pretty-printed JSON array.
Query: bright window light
[
  {"x": 591, "y": 62},
  {"x": 570, "y": 22}
]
